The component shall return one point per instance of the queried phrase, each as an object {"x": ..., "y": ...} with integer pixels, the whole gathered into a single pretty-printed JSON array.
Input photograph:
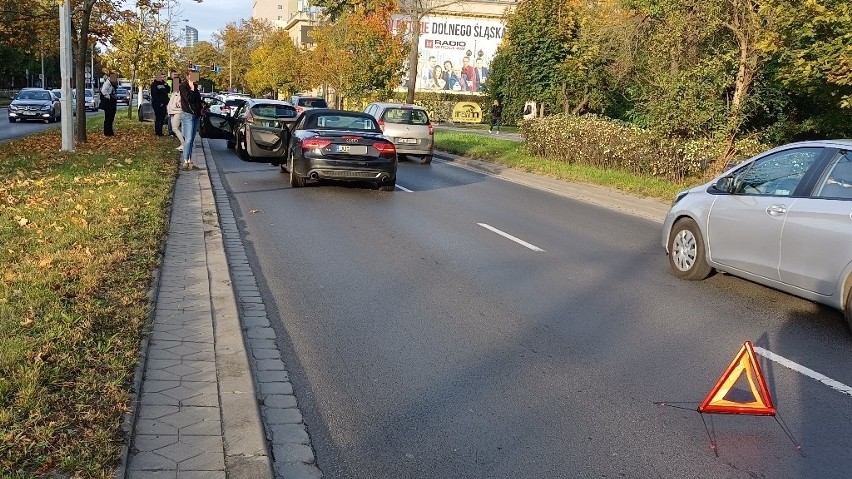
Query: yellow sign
[{"x": 467, "y": 112}]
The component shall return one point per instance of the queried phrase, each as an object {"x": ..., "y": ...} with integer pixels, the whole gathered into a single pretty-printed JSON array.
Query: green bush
[{"x": 605, "y": 143}]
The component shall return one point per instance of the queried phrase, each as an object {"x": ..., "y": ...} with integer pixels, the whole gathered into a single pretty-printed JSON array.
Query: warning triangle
[{"x": 744, "y": 365}]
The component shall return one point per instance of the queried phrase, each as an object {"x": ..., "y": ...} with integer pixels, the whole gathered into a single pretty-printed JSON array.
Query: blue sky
[{"x": 210, "y": 16}]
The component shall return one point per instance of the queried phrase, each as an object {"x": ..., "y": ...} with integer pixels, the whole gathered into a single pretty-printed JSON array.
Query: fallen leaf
[
  {"x": 27, "y": 323},
  {"x": 23, "y": 221},
  {"x": 254, "y": 211}
]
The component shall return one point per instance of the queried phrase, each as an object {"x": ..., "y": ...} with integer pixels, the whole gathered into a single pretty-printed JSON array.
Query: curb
[{"x": 648, "y": 208}]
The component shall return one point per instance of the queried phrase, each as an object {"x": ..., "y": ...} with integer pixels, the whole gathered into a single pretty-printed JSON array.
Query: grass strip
[
  {"x": 511, "y": 153},
  {"x": 80, "y": 235}
]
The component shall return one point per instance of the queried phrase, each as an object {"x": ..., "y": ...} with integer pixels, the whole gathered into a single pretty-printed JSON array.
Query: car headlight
[
  {"x": 679, "y": 197},
  {"x": 13, "y": 108},
  {"x": 45, "y": 107}
]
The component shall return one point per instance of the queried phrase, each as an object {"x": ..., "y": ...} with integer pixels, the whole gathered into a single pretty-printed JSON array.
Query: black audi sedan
[{"x": 340, "y": 145}]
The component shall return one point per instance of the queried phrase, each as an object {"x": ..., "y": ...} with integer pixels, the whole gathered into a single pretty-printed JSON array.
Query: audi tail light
[
  {"x": 315, "y": 144},
  {"x": 384, "y": 147},
  {"x": 431, "y": 129}
]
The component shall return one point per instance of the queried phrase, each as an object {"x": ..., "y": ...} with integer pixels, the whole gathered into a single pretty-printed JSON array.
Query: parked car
[
  {"x": 408, "y": 126},
  {"x": 305, "y": 103},
  {"x": 93, "y": 102},
  {"x": 57, "y": 93},
  {"x": 34, "y": 104},
  {"x": 145, "y": 110},
  {"x": 340, "y": 145},
  {"x": 122, "y": 95},
  {"x": 260, "y": 129},
  {"x": 782, "y": 219}
]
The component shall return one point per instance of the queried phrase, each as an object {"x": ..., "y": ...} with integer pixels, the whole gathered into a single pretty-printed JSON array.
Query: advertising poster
[{"x": 455, "y": 52}]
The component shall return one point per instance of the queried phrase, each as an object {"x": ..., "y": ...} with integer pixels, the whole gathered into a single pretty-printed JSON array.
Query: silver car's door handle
[{"x": 776, "y": 210}]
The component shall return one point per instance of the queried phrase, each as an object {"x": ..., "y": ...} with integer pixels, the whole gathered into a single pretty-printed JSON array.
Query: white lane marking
[
  {"x": 836, "y": 385},
  {"x": 516, "y": 240},
  {"x": 404, "y": 189}
]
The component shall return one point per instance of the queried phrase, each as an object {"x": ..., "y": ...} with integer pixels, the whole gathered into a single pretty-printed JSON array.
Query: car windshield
[
  {"x": 313, "y": 102},
  {"x": 406, "y": 116},
  {"x": 122, "y": 91},
  {"x": 57, "y": 94},
  {"x": 34, "y": 95},
  {"x": 274, "y": 111},
  {"x": 89, "y": 94},
  {"x": 342, "y": 122},
  {"x": 236, "y": 103}
]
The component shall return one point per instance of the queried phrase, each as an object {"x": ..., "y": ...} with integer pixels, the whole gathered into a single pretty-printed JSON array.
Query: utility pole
[
  {"x": 43, "y": 78},
  {"x": 231, "y": 73},
  {"x": 65, "y": 67}
]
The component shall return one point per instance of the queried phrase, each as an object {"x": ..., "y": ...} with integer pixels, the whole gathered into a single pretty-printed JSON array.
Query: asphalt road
[
  {"x": 9, "y": 131},
  {"x": 422, "y": 344}
]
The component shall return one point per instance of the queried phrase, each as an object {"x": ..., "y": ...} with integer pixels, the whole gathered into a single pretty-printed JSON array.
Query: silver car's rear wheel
[
  {"x": 848, "y": 310},
  {"x": 687, "y": 257}
]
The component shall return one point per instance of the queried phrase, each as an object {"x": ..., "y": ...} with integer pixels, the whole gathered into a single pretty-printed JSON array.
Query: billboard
[{"x": 455, "y": 53}]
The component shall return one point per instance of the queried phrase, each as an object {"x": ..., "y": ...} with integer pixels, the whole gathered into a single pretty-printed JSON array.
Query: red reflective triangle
[{"x": 744, "y": 362}]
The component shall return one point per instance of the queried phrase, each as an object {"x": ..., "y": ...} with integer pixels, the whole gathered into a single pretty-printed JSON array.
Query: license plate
[
  {"x": 352, "y": 149},
  {"x": 30, "y": 113},
  {"x": 411, "y": 141}
]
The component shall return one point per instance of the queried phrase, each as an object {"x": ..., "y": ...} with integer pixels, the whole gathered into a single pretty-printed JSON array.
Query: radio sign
[
  {"x": 446, "y": 44},
  {"x": 467, "y": 112}
]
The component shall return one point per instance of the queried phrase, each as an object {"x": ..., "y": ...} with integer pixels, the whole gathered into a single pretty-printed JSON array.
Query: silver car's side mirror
[{"x": 725, "y": 184}]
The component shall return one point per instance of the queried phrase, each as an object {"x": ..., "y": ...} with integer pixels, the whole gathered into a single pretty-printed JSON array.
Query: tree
[
  {"x": 277, "y": 63},
  {"x": 238, "y": 40}
]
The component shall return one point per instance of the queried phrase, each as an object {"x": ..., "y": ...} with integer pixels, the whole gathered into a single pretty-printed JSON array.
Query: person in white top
[
  {"x": 109, "y": 103},
  {"x": 174, "y": 110}
]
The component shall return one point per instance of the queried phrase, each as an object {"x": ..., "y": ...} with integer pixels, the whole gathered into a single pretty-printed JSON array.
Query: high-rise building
[
  {"x": 190, "y": 37},
  {"x": 277, "y": 12}
]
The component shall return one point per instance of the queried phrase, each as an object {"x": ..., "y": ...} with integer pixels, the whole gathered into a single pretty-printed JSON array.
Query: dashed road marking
[
  {"x": 836, "y": 385},
  {"x": 516, "y": 240}
]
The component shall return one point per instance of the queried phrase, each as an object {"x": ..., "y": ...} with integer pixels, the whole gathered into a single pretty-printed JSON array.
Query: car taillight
[
  {"x": 431, "y": 129},
  {"x": 299, "y": 110},
  {"x": 226, "y": 108},
  {"x": 382, "y": 126},
  {"x": 249, "y": 118},
  {"x": 315, "y": 144},
  {"x": 383, "y": 147}
]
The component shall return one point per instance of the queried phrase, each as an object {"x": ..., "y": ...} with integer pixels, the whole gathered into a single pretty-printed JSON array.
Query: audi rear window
[
  {"x": 406, "y": 116},
  {"x": 343, "y": 122}
]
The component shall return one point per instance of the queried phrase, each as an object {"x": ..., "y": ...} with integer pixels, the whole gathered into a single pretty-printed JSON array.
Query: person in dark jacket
[
  {"x": 159, "y": 99},
  {"x": 190, "y": 104},
  {"x": 496, "y": 117}
]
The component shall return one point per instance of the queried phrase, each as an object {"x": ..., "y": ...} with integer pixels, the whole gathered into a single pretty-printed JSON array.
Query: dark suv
[{"x": 122, "y": 95}]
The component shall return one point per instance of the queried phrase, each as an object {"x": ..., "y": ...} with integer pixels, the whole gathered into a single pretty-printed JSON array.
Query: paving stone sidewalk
[{"x": 196, "y": 413}]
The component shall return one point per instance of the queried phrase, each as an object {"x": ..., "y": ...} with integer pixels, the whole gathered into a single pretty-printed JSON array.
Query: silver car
[
  {"x": 407, "y": 126},
  {"x": 782, "y": 219}
]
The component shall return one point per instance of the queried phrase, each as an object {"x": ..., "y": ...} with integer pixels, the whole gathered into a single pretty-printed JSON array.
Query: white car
[
  {"x": 782, "y": 219},
  {"x": 93, "y": 102}
]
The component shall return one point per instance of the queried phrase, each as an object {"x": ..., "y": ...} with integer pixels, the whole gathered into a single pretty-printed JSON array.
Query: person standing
[
  {"x": 496, "y": 117},
  {"x": 159, "y": 100},
  {"x": 108, "y": 102},
  {"x": 174, "y": 110},
  {"x": 190, "y": 103}
]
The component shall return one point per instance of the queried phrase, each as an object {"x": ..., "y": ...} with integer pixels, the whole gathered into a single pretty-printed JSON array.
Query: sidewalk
[
  {"x": 503, "y": 135},
  {"x": 195, "y": 414}
]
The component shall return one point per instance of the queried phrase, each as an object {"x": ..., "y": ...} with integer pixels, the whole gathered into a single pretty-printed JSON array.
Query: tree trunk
[
  {"x": 413, "y": 57},
  {"x": 744, "y": 25},
  {"x": 82, "y": 45}
]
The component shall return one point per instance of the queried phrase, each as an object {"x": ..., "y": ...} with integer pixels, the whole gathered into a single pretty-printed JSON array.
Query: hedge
[{"x": 605, "y": 143}]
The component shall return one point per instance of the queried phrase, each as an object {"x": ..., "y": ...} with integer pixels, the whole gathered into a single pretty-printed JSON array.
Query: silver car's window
[
  {"x": 837, "y": 182},
  {"x": 778, "y": 174},
  {"x": 406, "y": 116}
]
